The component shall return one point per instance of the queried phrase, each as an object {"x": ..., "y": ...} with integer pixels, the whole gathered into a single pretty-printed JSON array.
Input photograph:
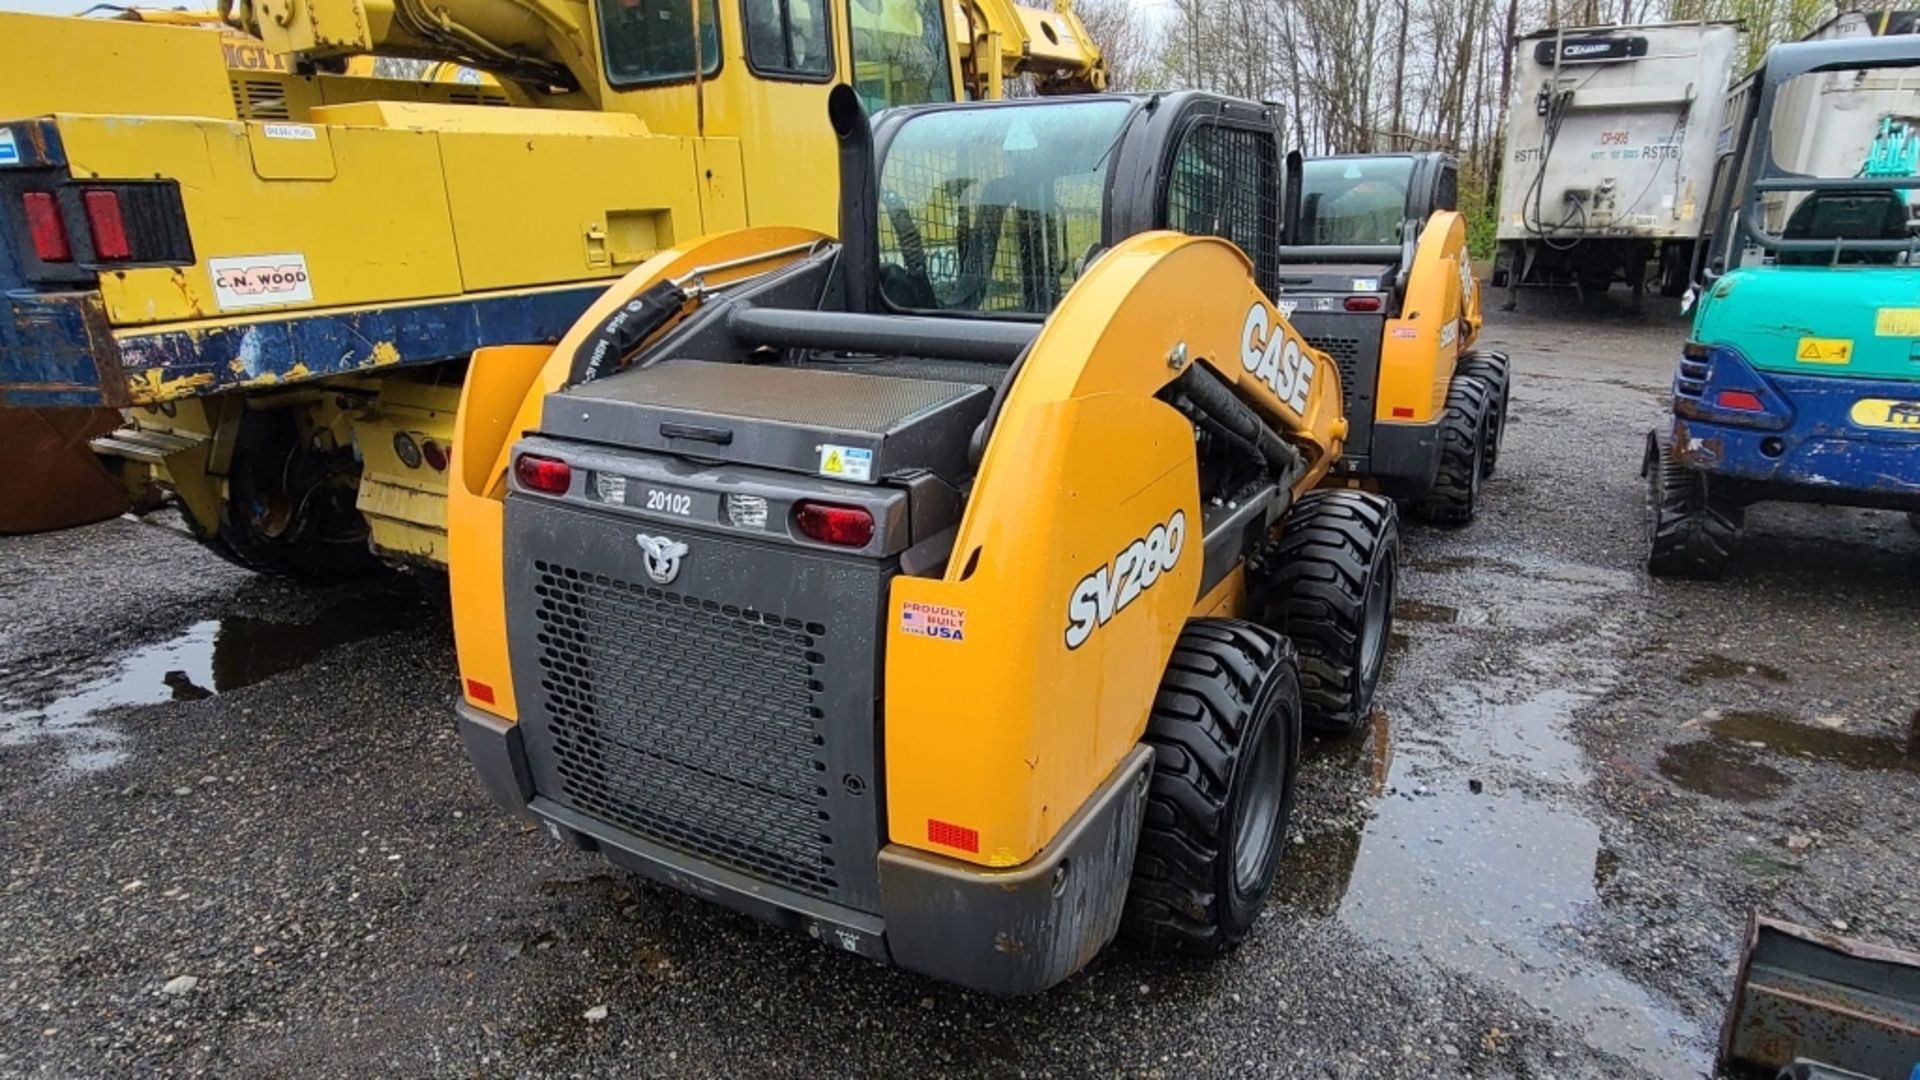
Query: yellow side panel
[
  {"x": 1000, "y": 732},
  {"x": 498, "y": 381},
  {"x": 533, "y": 209},
  {"x": 377, "y": 232},
  {"x": 788, "y": 160},
  {"x": 287, "y": 151},
  {"x": 52, "y": 64},
  {"x": 724, "y": 205},
  {"x": 792, "y": 161},
  {"x": 1006, "y": 731},
  {"x": 1418, "y": 353},
  {"x": 479, "y": 119}
]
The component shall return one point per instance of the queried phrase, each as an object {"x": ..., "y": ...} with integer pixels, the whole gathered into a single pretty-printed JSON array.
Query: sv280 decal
[{"x": 1106, "y": 592}]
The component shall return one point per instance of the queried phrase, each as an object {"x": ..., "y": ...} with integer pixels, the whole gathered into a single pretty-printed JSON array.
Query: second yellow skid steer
[{"x": 945, "y": 593}]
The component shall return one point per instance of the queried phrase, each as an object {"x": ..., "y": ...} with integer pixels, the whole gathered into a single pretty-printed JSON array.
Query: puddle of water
[
  {"x": 1492, "y": 869},
  {"x": 1853, "y": 750},
  {"x": 208, "y": 658},
  {"x": 1715, "y": 666},
  {"x": 1490, "y": 883},
  {"x": 1713, "y": 769}
]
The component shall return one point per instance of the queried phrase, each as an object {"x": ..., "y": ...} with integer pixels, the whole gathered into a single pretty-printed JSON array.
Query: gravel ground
[{"x": 241, "y": 836}]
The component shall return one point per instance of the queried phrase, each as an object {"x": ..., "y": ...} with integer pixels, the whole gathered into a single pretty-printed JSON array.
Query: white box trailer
[
  {"x": 1825, "y": 124},
  {"x": 1610, "y": 149}
]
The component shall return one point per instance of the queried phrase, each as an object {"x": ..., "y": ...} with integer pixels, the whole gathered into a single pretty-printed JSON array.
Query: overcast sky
[{"x": 51, "y": 7}]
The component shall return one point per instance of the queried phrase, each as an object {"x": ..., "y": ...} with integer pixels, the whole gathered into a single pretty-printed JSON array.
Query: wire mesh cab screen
[{"x": 995, "y": 210}]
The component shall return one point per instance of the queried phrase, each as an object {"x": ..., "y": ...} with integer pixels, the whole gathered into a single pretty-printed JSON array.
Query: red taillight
[
  {"x": 1744, "y": 400},
  {"x": 1361, "y": 303},
  {"x": 847, "y": 526},
  {"x": 435, "y": 455},
  {"x": 543, "y": 474},
  {"x": 49, "y": 233},
  {"x": 109, "y": 229}
]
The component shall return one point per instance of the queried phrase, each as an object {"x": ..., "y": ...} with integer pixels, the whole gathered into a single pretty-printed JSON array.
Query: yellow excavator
[
  {"x": 277, "y": 263},
  {"x": 946, "y": 593}
]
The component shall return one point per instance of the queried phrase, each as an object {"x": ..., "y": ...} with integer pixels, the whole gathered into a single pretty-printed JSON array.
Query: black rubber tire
[
  {"x": 1329, "y": 586},
  {"x": 1225, "y": 730},
  {"x": 1497, "y": 371},
  {"x": 1689, "y": 534},
  {"x": 325, "y": 537},
  {"x": 1455, "y": 496}
]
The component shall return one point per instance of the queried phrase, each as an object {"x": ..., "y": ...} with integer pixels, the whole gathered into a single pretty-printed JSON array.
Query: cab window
[
  {"x": 995, "y": 211},
  {"x": 1355, "y": 200},
  {"x": 788, "y": 38},
  {"x": 651, "y": 41},
  {"x": 899, "y": 52}
]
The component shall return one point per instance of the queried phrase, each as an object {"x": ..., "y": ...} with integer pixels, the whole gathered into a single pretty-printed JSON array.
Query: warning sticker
[
  {"x": 250, "y": 281},
  {"x": 1896, "y": 322},
  {"x": 9, "y": 150},
  {"x": 846, "y": 462},
  {"x": 934, "y": 621},
  {"x": 1817, "y": 350}
]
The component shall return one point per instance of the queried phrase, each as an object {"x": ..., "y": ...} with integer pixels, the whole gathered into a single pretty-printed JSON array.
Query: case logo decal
[
  {"x": 1271, "y": 355},
  {"x": 1106, "y": 592}
]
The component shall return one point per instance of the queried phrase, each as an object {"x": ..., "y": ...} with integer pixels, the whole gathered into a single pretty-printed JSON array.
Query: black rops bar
[{"x": 991, "y": 341}]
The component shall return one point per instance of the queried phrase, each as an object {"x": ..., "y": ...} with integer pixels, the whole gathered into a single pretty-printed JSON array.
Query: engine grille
[
  {"x": 1345, "y": 352},
  {"x": 260, "y": 99},
  {"x": 688, "y": 722}
]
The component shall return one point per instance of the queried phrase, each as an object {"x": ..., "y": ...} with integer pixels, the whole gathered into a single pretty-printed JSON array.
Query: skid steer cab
[
  {"x": 1798, "y": 380},
  {"x": 954, "y": 593},
  {"x": 1376, "y": 275}
]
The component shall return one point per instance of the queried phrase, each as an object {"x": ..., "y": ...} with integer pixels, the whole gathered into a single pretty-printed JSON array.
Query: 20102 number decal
[
  {"x": 1106, "y": 592},
  {"x": 671, "y": 502}
]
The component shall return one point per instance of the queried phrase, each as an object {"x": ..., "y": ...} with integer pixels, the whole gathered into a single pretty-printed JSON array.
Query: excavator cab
[{"x": 954, "y": 593}]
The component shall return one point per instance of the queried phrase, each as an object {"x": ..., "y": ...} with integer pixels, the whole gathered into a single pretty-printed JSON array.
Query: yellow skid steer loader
[{"x": 944, "y": 592}]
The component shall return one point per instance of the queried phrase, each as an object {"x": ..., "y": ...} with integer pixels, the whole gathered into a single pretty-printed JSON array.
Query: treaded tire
[
  {"x": 1455, "y": 496},
  {"x": 1225, "y": 730},
  {"x": 1689, "y": 534},
  {"x": 1497, "y": 371},
  {"x": 1331, "y": 581},
  {"x": 325, "y": 539}
]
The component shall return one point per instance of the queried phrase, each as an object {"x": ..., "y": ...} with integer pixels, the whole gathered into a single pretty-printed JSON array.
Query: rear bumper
[
  {"x": 1007, "y": 931},
  {"x": 1817, "y": 465},
  {"x": 1403, "y": 460}
]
